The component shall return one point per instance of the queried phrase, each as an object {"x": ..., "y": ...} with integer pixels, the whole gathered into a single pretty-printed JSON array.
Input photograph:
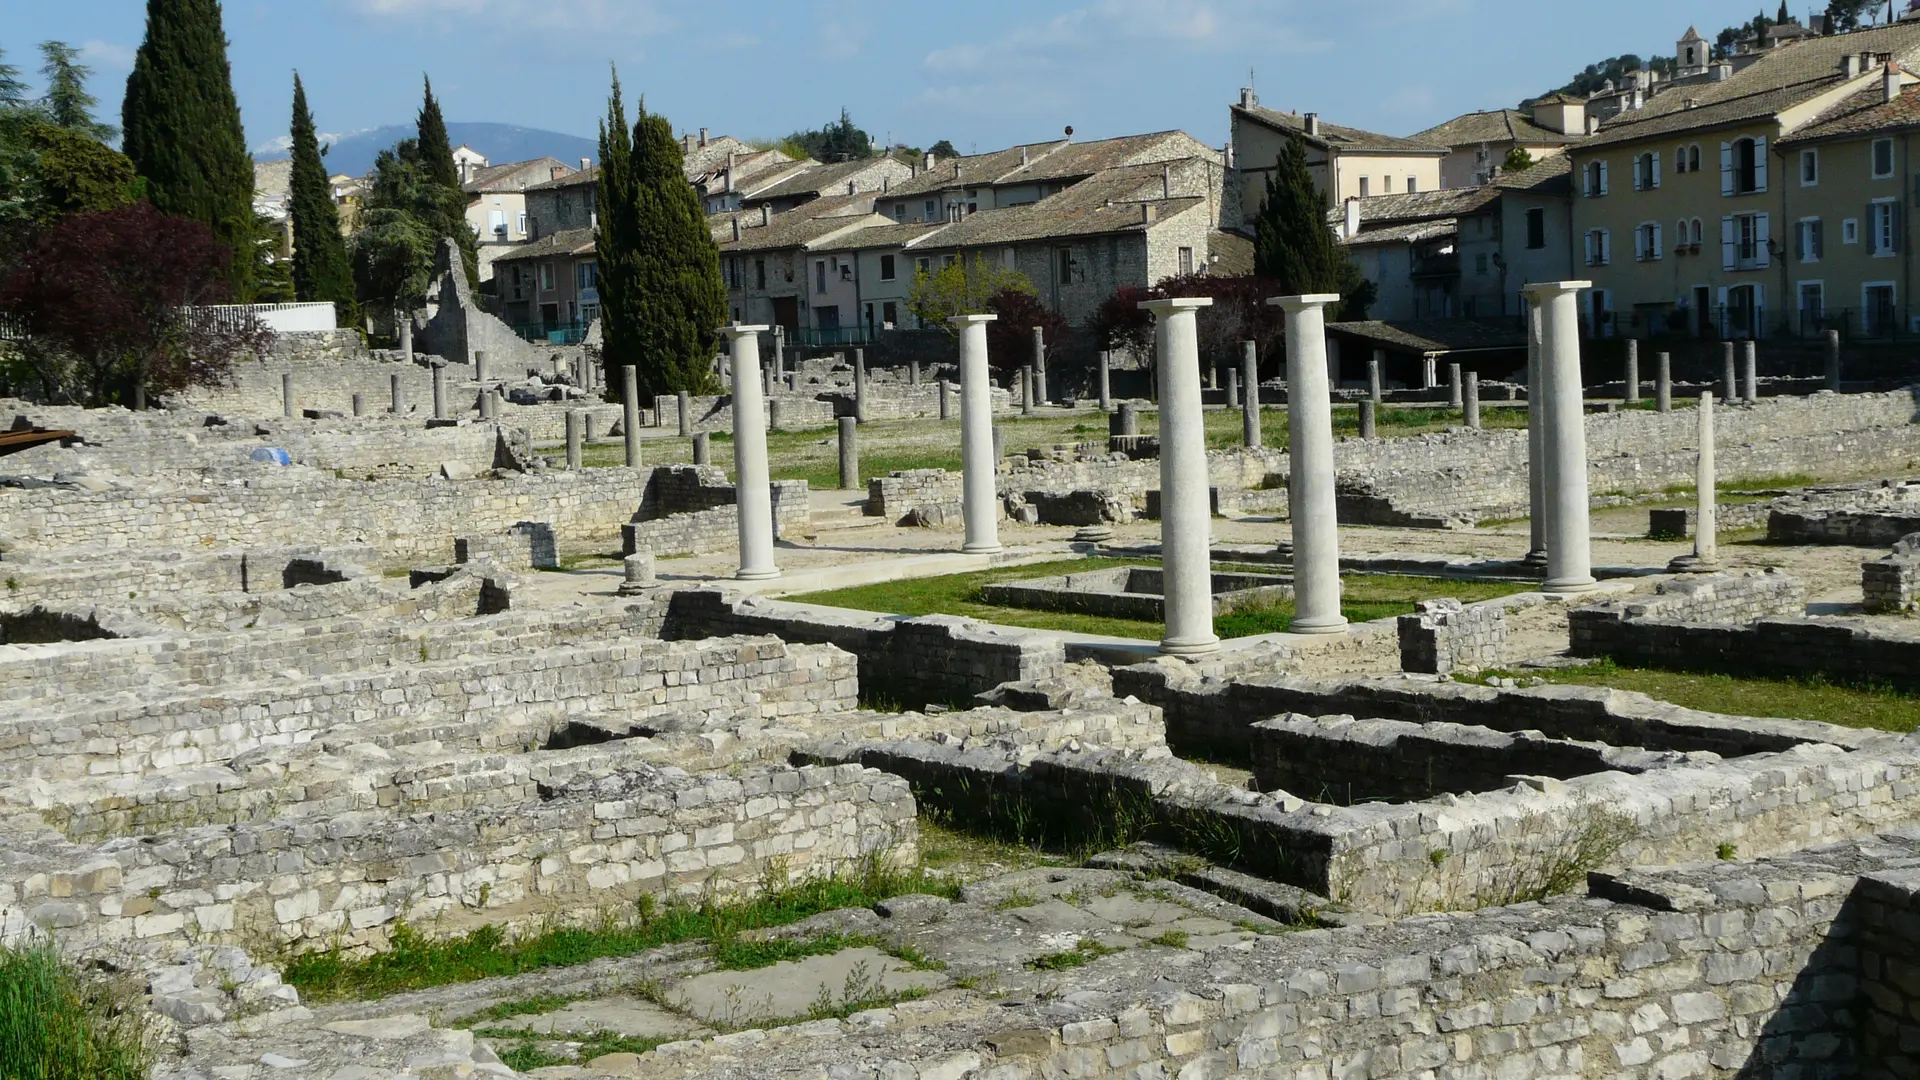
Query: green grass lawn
[
  {"x": 1791, "y": 698},
  {"x": 1364, "y": 597}
]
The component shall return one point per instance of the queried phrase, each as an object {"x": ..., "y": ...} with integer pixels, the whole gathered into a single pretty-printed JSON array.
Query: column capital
[
  {"x": 969, "y": 320},
  {"x": 1301, "y": 303},
  {"x": 1542, "y": 290},
  {"x": 1177, "y": 303},
  {"x": 736, "y": 330}
]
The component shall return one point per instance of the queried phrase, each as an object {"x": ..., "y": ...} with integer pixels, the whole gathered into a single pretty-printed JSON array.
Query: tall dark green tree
[
  {"x": 182, "y": 129},
  {"x": 1293, "y": 245},
  {"x": 67, "y": 103},
  {"x": 674, "y": 294},
  {"x": 13, "y": 91},
  {"x": 438, "y": 168},
  {"x": 321, "y": 270},
  {"x": 617, "y": 246},
  {"x": 393, "y": 248}
]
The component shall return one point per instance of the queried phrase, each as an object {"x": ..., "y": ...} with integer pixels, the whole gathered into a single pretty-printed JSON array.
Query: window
[
  {"x": 1680, "y": 234},
  {"x": 1882, "y": 158},
  {"x": 1813, "y": 303},
  {"x": 890, "y": 313},
  {"x": 946, "y": 260},
  {"x": 1480, "y": 264},
  {"x": 1749, "y": 238},
  {"x": 1647, "y": 242},
  {"x": 1876, "y": 301},
  {"x": 1366, "y": 183},
  {"x": 1594, "y": 179},
  {"x": 497, "y": 223},
  {"x": 1063, "y": 262},
  {"x": 933, "y": 207},
  {"x": 886, "y": 268},
  {"x": 1699, "y": 234},
  {"x": 1744, "y": 239},
  {"x": 586, "y": 276},
  {"x": 760, "y": 273},
  {"x": 1599, "y": 247},
  {"x": 1680, "y": 160},
  {"x": 923, "y": 266},
  {"x": 546, "y": 277},
  {"x": 1413, "y": 186},
  {"x": 1809, "y": 168},
  {"x": 1850, "y": 231},
  {"x": 1809, "y": 240},
  {"x": 1186, "y": 261},
  {"x": 520, "y": 226},
  {"x": 1536, "y": 228},
  {"x": 1746, "y": 167},
  {"x": 820, "y": 276},
  {"x": 1883, "y": 233},
  {"x": 1646, "y": 172}
]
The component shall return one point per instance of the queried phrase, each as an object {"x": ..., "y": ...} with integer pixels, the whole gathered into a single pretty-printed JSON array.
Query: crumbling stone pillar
[
  {"x": 1106, "y": 384},
  {"x": 1445, "y": 636},
  {"x": 1631, "y": 393},
  {"x": 1233, "y": 388},
  {"x": 1833, "y": 360},
  {"x": 486, "y": 404},
  {"x": 1749, "y": 372},
  {"x": 999, "y": 444},
  {"x": 480, "y": 365},
  {"x": 779, "y": 351},
  {"x": 1250, "y": 395},
  {"x": 403, "y": 329},
  {"x": 702, "y": 449},
  {"x": 637, "y": 574},
  {"x": 1185, "y": 495},
  {"x": 439, "y": 391},
  {"x": 630, "y": 413},
  {"x": 359, "y": 403},
  {"x": 1538, "y": 510},
  {"x": 1026, "y": 391},
  {"x": 753, "y": 490},
  {"x": 399, "y": 394},
  {"x": 1892, "y": 583},
  {"x": 1429, "y": 372},
  {"x": 1040, "y": 364},
  {"x": 574, "y": 432},
  {"x": 1310, "y": 496},
  {"x": 1472, "y": 398},
  {"x": 1663, "y": 383},
  {"x": 978, "y": 455},
  {"x": 1129, "y": 420},
  {"x": 849, "y": 453},
  {"x": 1729, "y": 378},
  {"x": 1706, "y": 522},
  {"x": 684, "y": 401},
  {"x": 1453, "y": 387},
  {"x": 1376, "y": 376},
  {"x": 860, "y": 385},
  {"x": 774, "y": 418},
  {"x": 286, "y": 394},
  {"x": 946, "y": 406},
  {"x": 1569, "y": 552},
  {"x": 913, "y": 373},
  {"x": 1369, "y": 419}
]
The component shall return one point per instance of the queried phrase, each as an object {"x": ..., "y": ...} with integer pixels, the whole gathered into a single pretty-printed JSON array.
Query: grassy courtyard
[
  {"x": 1364, "y": 597},
  {"x": 1855, "y": 705}
]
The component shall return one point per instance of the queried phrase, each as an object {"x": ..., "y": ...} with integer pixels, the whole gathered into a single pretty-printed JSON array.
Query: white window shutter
[
  {"x": 1586, "y": 183},
  {"x": 1636, "y": 172},
  {"x": 1606, "y": 246},
  {"x": 1656, "y": 242},
  {"x": 1726, "y": 168},
  {"x": 1603, "y": 178},
  {"x": 1760, "y": 164},
  {"x": 1727, "y": 260},
  {"x": 1656, "y": 168},
  {"x": 1760, "y": 239}
]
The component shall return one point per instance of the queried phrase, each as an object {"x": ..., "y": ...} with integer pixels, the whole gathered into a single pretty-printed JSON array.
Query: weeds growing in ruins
[
  {"x": 1172, "y": 939},
  {"x": 415, "y": 961},
  {"x": 1561, "y": 865},
  {"x": 59, "y": 1024},
  {"x": 1084, "y": 952}
]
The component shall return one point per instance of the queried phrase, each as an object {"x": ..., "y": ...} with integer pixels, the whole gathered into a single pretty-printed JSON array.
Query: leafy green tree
[
  {"x": 961, "y": 288},
  {"x": 942, "y": 150},
  {"x": 182, "y": 129},
  {"x": 321, "y": 270},
  {"x": 1293, "y": 245},
  {"x": 67, "y": 102},
  {"x": 13, "y": 91},
  {"x": 393, "y": 249},
  {"x": 677, "y": 288},
  {"x": 1517, "y": 160},
  {"x": 437, "y": 165},
  {"x": 617, "y": 246},
  {"x": 74, "y": 173},
  {"x": 1846, "y": 15},
  {"x": 838, "y": 141}
]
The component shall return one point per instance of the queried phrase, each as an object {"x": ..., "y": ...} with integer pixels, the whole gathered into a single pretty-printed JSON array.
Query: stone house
[
  {"x": 1431, "y": 254},
  {"x": 868, "y": 274},
  {"x": 784, "y": 190},
  {"x": 1680, "y": 207},
  {"x": 1478, "y": 142},
  {"x": 1020, "y": 175},
  {"x": 497, "y": 203},
  {"x": 769, "y": 274},
  {"x": 549, "y": 288},
  {"x": 1345, "y": 162},
  {"x": 723, "y": 186},
  {"x": 1535, "y": 229},
  {"x": 563, "y": 204}
]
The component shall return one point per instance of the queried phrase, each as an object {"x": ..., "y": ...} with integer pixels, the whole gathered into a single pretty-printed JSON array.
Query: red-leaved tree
[
  {"x": 1239, "y": 313},
  {"x": 103, "y": 303},
  {"x": 1010, "y": 337}
]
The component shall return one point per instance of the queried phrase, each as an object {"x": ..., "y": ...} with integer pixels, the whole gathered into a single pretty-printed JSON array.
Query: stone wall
[
  {"x": 1892, "y": 582},
  {"x": 689, "y": 509},
  {"x": 935, "y": 658},
  {"x": 80, "y": 579},
  {"x": 1445, "y": 636},
  {"x": 1877, "y": 515},
  {"x": 1856, "y": 649},
  {"x": 1732, "y": 598},
  {"x": 1887, "y": 917},
  {"x": 597, "y": 840}
]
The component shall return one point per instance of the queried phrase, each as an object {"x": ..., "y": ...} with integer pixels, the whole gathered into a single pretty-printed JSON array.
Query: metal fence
[
  {"x": 280, "y": 318},
  {"x": 553, "y": 333},
  {"x": 1890, "y": 322}
]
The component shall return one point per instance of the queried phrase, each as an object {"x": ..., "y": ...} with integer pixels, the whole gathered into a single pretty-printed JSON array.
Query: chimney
[
  {"x": 956, "y": 168},
  {"x": 556, "y": 172},
  {"x": 1023, "y": 157},
  {"x": 736, "y": 228},
  {"x": 1247, "y": 100},
  {"x": 1850, "y": 65},
  {"x": 686, "y": 144},
  {"x": 1593, "y": 124},
  {"x": 1313, "y": 124},
  {"x": 1146, "y": 213},
  {"x": 886, "y": 184},
  {"x": 1893, "y": 80},
  {"x": 1226, "y": 155},
  {"x": 1352, "y": 228},
  {"x": 1166, "y": 181},
  {"x": 851, "y": 189},
  {"x": 730, "y": 180},
  {"x": 585, "y": 164},
  {"x": 927, "y": 161},
  {"x": 1722, "y": 71},
  {"x": 766, "y": 214},
  {"x": 703, "y": 136}
]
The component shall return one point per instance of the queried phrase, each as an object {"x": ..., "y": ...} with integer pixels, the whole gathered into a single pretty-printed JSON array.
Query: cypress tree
[
  {"x": 681, "y": 301},
  {"x": 1293, "y": 245},
  {"x": 320, "y": 268},
  {"x": 436, "y": 162},
  {"x": 183, "y": 131},
  {"x": 617, "y": 247}
]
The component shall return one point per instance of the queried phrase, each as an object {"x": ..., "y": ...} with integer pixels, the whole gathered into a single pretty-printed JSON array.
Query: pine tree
[
  {"x": 13, "y": 91},
  {"x": 1294, "y": 246},
  {"x": 67, "y": 102},
  {"x": 436, "y": 161},
  {"x": 678, "y": 295},
  {"x": 183, "y": 129},
  {"x": 321, "y": 271},
  {"x": 617, "y": 246}
]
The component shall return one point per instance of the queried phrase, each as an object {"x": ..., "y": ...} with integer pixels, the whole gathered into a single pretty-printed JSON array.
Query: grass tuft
[
  {"x": 57, "y": 1024},
  {"x": 1085, "y": 952}
]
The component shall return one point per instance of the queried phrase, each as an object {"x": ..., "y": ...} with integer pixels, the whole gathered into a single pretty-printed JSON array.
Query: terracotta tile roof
[
  {"x": 1780, "y": 78},
  {"x": 1334, "y": 136},
  {"x": 564, "y": 242},
  {"x": 1864, "y": 112},
  {"x": 1499, "y": 125}
]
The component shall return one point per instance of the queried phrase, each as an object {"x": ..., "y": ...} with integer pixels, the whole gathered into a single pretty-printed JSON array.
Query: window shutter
[
  {"x": 1802, "y": 241},
  {"x": 1586, "y": 182},
  {"x": 1639, "y": 165},
  {"x": 1726, "y": 243},
  {"x": 1603, "y": 178},
  {"x": 1606, "y": 246},
  {"x": 1760, "y": 164},
  {"x": 1819, "y": 239},
  {"x": 1726, "y": 168},
  {"x": 1893, "y": 215},
  {"x": 1656, "y": 168},
  {"x": 1656, "y": 241},
  {"x": 1760, "y": 238},
  {"x": 1591, "y": 244}
]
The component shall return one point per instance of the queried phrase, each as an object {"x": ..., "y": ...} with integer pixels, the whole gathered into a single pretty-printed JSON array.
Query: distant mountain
[{"x": 353, "y": 153}]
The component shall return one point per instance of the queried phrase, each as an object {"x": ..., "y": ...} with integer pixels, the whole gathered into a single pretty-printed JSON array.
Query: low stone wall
[
  {"x": 1445, "y": 636},
  {"x": 148, "y": 575},
  {"x": 1726, "y": 599},
  {"x": 939, "y": 495},
  {"x": 691, "y": 508},
  {"x": 1866, "y": 516},
  {"x": 1132, "y": 592},
  {"x": 1886, "y": 909},
  {"x": 1892, "y": 582},
  {"x": 1840, "y": 648},
  {"x": 597, "y": 840},
  {"x": 935, "y": 658}
]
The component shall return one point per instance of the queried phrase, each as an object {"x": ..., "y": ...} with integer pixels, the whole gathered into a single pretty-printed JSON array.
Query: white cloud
[
  {"x": 841, "y": 28},
  {"x": 106, "y": 55},
  {"x": 603, "y": 18},
  {"x": 1206, "y": 27}
]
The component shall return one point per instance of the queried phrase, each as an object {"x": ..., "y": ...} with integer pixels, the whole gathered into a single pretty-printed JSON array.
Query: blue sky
[{"x": 985, "y": 74}]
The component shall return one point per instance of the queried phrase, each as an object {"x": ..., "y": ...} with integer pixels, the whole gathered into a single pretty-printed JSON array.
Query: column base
[
  {"x": 1537, "y": 558},
  {"x": 1191, "y": 647},
  {"x": 981, "y": 549},
  {"x": 1694, "y": 564},
  {"x": 1093, "y": 534},
  {"x": 1336, "y": 625},
  {"x": 745, "y": 574},
  {"x": 1570, "y": 586}
]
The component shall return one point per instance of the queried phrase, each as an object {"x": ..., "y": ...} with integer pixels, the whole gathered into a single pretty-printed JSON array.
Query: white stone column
[
  {"x": 1185, "y": 498},
  {"x": 1250, "y": 393},
  {"x": 753, "y": 493},
  {"x": 982, "y": 490},
  {"x": 630, "y": 413},
  {"x": 1706, "y": 515},
  {"x": 1538, "y": 511},
  {"x": 1106, "y": 384},
  {"x": 1040, "y": 365},
  {"x": 1569, "y": 552},
  {"x": 1316, "y": 530}
]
